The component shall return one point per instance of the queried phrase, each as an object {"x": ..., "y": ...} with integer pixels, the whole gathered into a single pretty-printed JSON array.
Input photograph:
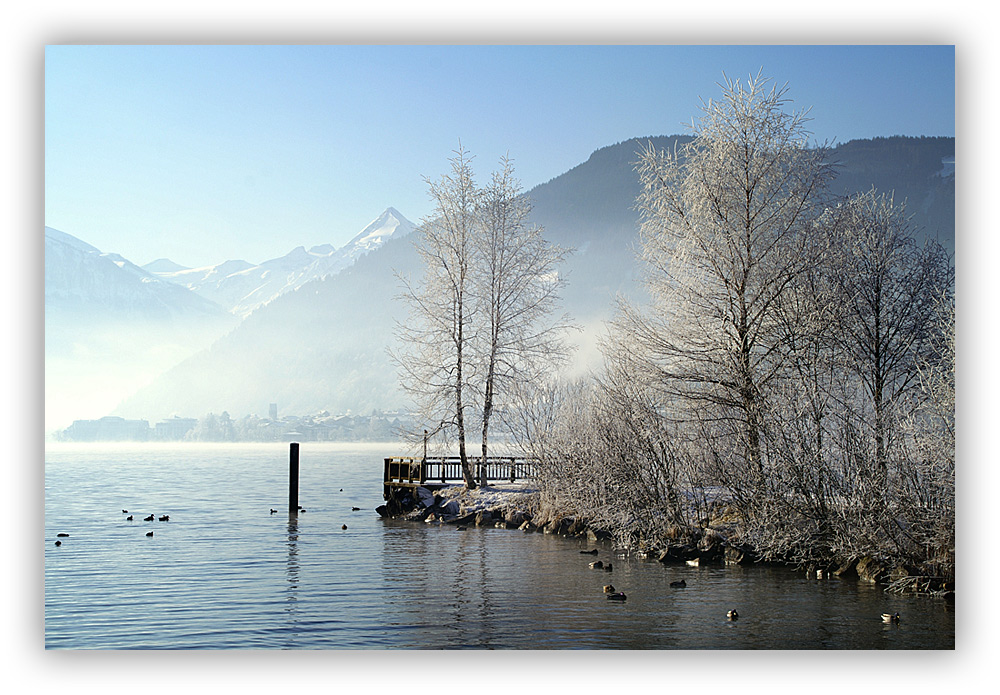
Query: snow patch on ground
[{"x": 502, "y": 495}]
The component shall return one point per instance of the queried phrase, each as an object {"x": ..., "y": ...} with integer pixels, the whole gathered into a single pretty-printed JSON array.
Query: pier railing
[{"x": 416, "y": 471}]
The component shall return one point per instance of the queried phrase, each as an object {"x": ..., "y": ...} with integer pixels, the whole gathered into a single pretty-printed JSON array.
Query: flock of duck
[
  {"x": 162, "y": 517},
  {"x": 166, "y": 517},
  {"x": 609, "y": 589},
  {"x": 130, "y": 517},
  {"x": 615, "y": 595},
  {"x": 733, "y": 614}
]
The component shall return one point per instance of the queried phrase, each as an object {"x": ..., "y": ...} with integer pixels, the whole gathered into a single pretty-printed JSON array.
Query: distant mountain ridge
[
  {"x": 591, "y": 208},
  {"x": 111, "y": 326},
  {"x": 81, "y": 278},
  {"x": 324, "y": 346},
  {"x": 241, "y": 287}
]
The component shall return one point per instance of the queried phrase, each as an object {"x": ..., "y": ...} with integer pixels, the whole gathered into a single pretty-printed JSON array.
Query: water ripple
[{"x": 224, "y": 573}]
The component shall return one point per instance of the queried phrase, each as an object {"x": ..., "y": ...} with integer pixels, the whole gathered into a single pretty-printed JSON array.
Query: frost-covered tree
[
  {"x": 930, "y": 489},
  {"x": 889, "y": 291},
  {"x": 725, "y": 233},
  {"x": 517, "y": 287},
  {"x": 481, "y": 320},
  {"x": 435, "y": 341}
]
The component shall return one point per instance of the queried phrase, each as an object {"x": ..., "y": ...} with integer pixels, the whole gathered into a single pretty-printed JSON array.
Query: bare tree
[
  {"x": 788, "y": 341},
  {"x": 517, "y": 285},
  {"x": 434, "y": 343},
  {"x": 725, "y": 233},
  {"x": 888, "y": 294},
  {"x": 480, "y": 323},
  {"x": 606, "y": 457},
  {"x": 930, "y": 495}
]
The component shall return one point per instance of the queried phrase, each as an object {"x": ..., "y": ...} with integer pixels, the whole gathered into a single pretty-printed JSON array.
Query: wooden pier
[{"x": 437, "y": 471}]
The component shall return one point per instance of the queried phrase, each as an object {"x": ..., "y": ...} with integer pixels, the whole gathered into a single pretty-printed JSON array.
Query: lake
[{"x": 226, "y": 573}]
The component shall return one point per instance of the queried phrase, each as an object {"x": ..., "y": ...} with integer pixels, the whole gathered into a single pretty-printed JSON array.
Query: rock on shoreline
[
  {"x": 516, "y": 506},
  {"x": 506, "y": 506}
]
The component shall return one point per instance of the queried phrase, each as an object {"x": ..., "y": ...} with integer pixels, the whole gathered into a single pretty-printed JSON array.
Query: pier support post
[{"x": 293, "y": 479}]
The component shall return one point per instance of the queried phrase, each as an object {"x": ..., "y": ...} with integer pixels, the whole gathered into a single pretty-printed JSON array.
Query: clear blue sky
[{"x": 206, "y": 153}]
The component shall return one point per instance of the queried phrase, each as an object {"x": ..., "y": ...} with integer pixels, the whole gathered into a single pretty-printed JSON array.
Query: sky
[{"x": 207, "y": 153}]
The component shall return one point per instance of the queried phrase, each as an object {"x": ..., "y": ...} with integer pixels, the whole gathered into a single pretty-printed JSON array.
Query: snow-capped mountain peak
[
  {"x": 82, "y": 279},
  {"x": 164, "y": 265},
  {"x": 390, "y": 224},
  {"x": 243, "y": 287},
  {"x": 69, "y": 241}
]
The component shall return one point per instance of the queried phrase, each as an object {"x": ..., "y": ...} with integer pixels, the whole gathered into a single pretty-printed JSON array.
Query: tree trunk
[
  {"x": 470, "y": 481},
  {"x": 487, "y": 412}
]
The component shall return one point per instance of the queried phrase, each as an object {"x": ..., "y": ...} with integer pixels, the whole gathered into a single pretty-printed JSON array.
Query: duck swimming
[
  {"x": 890, "y": 617},
  {"x": 596, "y": 565},
  {"x": 732, "y": 615},
  {"x": 609, "y": 589},
  {"x": 607, "y": 567},
  {"x": 589, "y": 552},
  {"x": 620, "y": 596},
  {"x": 128, "y": 518},
  {"x": 165, "y": 517},
  {"x": 679, "y": 585},
  {"x": 149, "y": 533},
  {"x": 148, "y": 518}
]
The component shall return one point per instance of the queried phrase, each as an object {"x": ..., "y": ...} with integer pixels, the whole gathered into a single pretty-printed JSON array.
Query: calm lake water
[{"x": 225, "y": 573}]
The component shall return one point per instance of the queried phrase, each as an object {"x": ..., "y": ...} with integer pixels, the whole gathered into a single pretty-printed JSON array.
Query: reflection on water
[
  {"x": 484, "y": 588},
  {"x": 225, "y": 573},
  {"x": 293, "y": 563}
]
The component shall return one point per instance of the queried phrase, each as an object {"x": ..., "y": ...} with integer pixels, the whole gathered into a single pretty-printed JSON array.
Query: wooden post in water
[{"x": 293, "y": 479}]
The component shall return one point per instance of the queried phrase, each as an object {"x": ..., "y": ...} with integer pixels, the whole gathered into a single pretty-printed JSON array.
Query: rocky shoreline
[{"x": 716, "y": 543}]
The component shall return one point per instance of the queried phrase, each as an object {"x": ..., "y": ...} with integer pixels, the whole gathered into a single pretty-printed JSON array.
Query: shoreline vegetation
[
  {"x": 714, "y": 542},
  {"x": 785, "y": 393}
]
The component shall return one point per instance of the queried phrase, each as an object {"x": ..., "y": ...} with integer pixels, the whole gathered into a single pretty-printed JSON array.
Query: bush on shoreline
[{"x": 720, "y": 542}]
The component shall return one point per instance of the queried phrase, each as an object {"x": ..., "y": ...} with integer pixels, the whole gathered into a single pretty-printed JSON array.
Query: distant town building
[
  {"x": 273, "y": 411},
  {"x": 175, "y": 428},
  {"x": 108, "y": 429}
]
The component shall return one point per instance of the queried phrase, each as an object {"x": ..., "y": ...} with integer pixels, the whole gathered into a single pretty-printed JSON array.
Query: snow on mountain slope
[
  {"x": 163, "y": 265},
  {"x": 111, "y": 326},
  {"x": 59, "y": 237},
  {"x": 80, "y": 278},
  {"x": 241, "y": 287}
]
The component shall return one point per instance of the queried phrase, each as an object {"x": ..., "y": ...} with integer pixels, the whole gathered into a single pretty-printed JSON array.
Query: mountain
[
  {"x": 919, "y": 172},
  {"x": 591, "y": 209},
  {"x": 163, "y": 265},
  {"x": 242, "y": 287},
  {"x": 324, "y": 346},
  {"x": 80, "y": 278},
  {"x": 111, "y": 326}
]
